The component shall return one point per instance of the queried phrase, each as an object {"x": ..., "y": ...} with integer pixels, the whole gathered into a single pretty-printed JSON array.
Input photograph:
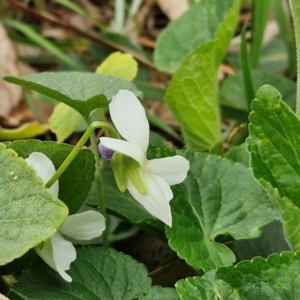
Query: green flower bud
[{"x": 119, "y": 169}]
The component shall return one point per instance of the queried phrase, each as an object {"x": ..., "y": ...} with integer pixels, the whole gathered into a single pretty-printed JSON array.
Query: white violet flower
[
  {"x": 57, "y": 252},
  {"x": 148, "y": 181}
]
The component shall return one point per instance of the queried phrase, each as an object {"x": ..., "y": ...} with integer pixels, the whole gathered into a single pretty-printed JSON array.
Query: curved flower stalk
[
  {"x": 57, "y": 252},
  {"x": 148, "y": 181}
]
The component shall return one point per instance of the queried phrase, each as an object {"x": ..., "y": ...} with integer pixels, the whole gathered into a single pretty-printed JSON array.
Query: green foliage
[
  {"x": 193, "y": 91},
  {"x": 276, "y": 277},
  {"x": 75, "y": 182},
  {"x": 239, "y": 154},
  {"x": 218, "y": 198},
  {"x": 119, "y": 65},
  {"x": 205, "y": 21},
  {"x": 286, "y": 33},
  {"x": 233, "y": 85},
  {"x": 223, "y": 212},
  {"x": 157, "y": 292},
  {"x": 273, "y": 144},
  {"x": 273, "y": 57},
  {"x": 38, "y": 39},
  {"x": 97, "y": 273},
  {"x": 272, "y": 240},
  {"x": 260, "y": 15},
  {"x": 246, "y": 69},
  {"x": 82, "y": 91},
  {"x": 28, "y": 216}
]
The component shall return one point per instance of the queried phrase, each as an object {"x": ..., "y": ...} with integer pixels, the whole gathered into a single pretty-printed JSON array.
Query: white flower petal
[
  {"x": 130, "y": 119},
  {"x": 125, "y": 148},
  {"x": 58, "y": 253},
  {"x": 45, "y": 169},
  {"x": 46, "y": 253},
  {"x": 84, "y": 226},
  {"x": 172, "y": 169},
  {"x": 156, "y": 201}
]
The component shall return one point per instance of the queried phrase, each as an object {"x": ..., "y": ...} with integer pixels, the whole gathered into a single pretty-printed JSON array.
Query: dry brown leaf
[
  {"x": 10, "y": 95},
  {"x": 173, "y": 8}
]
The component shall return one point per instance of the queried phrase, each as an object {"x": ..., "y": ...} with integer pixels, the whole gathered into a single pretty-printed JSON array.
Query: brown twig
[{"x": 93, "y": 36}]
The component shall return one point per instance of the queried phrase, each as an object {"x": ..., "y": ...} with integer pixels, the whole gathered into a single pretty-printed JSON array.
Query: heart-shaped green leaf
[
  {"x": 82, "y": 91},
  {"x": 29, "y": 213},
  {"x": 76, "y": 181},
  {"x": 218, "y": 197},
  {"x": 276, "y": 277},
  {"x": 97, "y": 273}
]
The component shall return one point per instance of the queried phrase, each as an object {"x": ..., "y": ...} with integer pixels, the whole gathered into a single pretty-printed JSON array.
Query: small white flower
[
  {"x": 57, "y": 252},
  {"x": 152, "y": 187}
]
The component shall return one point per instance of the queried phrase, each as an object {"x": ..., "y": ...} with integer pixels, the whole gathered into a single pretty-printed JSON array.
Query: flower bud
[
  {"x": 119, "y": 169},
  {"x": 105, "y": 152}
]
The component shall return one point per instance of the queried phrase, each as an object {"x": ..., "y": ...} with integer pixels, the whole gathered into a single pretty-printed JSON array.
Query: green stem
[
  {"x": 295, "y": 8},
  {"x": 246, "y": 69},
  {"x": 98, "y": 176},
  {"x": 78, "y": 147},
  {"x": 99, "y": 182}
]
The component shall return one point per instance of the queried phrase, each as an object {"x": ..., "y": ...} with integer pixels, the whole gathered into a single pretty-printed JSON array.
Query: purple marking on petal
[{"x": 105, "y": 152}]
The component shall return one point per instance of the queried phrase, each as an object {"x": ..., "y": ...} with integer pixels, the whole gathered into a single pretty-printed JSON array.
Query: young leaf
[
  {"x": 193, "y": 98},
  {"x": 121, "y": 65},
  {"x": 29, "y": 213},
  {"x": 276, "y": 277},
  {"x": 205, "y": 21},
  {"x": 97, "y": 273},
  {"x": 75, "y": 182},
  {"x": 64, "y": 121},
  {"x": 82, "y": 91},
  {"x": 219, "y": 197},
  {"x": 273, "y": 145}
]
